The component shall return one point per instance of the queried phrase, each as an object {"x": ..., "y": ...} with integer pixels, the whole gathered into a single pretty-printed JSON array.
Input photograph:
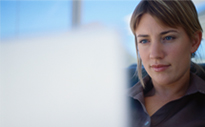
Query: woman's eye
[
  {"x": 169, "y": 38},
  {"x": 143, "y": 41}
]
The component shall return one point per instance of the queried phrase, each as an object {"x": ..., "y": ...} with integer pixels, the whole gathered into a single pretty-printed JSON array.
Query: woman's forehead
[{"x": 150, "y": 24}]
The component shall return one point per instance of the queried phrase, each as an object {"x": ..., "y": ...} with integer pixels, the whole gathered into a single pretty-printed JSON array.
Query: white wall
[{"x": 75, "y": 79}]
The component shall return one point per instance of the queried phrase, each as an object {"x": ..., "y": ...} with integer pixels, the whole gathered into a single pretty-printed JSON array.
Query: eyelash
[
  {"x": 143, "y": 40},
  {"x": 172, "y": 38},
  {"x": 163, "y": 39}
]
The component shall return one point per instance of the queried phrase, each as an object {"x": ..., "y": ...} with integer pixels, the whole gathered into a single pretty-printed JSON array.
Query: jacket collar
[{"x": 196, "y": 85}]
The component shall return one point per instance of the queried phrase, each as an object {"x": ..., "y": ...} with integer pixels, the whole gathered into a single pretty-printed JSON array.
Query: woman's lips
[{"x": 159, "y": 67}]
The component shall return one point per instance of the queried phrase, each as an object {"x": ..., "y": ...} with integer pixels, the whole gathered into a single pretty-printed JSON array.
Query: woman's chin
[{"x": 161, "y": 80}]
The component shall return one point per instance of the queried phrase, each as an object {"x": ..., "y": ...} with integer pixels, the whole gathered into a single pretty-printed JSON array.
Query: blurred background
[
  {"x": 20, "y": 19},
  {"x": 62, "y": 62},
  {"x": 23, "y": 19}
]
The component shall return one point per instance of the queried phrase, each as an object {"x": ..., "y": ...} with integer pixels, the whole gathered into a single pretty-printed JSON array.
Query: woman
[{"x": 167, "y": 34}]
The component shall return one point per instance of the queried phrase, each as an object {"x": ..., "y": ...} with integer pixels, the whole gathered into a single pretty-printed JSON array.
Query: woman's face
[{"x": 165, "y": 51}]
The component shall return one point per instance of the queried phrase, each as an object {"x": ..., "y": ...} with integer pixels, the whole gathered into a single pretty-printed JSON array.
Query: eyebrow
[
  {"x": 162, "y": 33},
  {"x": 165, "y": 32},
  {"x": 140, "y": 35}
]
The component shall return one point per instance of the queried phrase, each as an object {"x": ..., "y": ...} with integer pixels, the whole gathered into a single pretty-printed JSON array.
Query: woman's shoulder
[
  {"x": 198, "y": 69},
  {"x": 197, "y": 83}
]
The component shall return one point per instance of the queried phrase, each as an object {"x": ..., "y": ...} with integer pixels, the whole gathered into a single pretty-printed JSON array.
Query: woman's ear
[{"x": 196, "y": 41}]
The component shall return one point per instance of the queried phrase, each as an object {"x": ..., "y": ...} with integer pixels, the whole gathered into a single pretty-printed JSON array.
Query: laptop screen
[{"x": 73, "y": 79}]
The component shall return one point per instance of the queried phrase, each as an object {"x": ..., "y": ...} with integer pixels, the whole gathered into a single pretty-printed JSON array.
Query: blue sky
[
  {"x": 24, "y": 17},
  {"x": 33, "y": 16}
]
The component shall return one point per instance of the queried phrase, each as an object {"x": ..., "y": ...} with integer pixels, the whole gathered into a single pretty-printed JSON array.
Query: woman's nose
[{"x": 156, "y": 50}]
